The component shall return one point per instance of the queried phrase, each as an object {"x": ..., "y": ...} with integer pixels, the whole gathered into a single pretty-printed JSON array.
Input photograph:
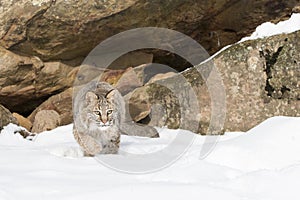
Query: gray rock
[
  {"x": 261, "y": 79},
  {"x": 135, "y": 129}
]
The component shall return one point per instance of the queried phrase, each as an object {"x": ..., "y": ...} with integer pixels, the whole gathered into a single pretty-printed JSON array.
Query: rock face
[
  {"x": 68, "y": 30},
  {"x": 261, "y": 79},
  {"x": 6, "y": 117},
  {"x": 25, "y": 82},
  {"x": 41, "y": 20}
]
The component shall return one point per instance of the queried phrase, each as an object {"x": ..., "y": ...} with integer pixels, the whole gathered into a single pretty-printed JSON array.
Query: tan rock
[
  {"x": 45, "y": 120},
  {"x": 161, "y": 77},
  {"x": 24, "y": 122},
  {"x": 131, "y": 59},
  {"x": 128, "y": 82},
  {"x": 296, "y": 9},
  {"x": 61, "y": 103},
  {"x": 6, "y": 117},
  {"x": 86, "y": 73},
  {"x": 125, "y": 80},
  {"x": 26, "y": 81},
  {"x": 140, "y": 72},
  {"x": 145, "y": 72},
  {"x": 137, "y": 105},
  {"x": 112, "y": 76}
]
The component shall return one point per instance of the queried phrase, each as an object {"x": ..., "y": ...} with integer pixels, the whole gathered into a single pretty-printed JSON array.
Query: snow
[
  {"x": 268, "y": 28},
  {"x": 263, "y": 163}
]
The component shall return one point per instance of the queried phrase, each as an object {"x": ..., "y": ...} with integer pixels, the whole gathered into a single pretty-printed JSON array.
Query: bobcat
[
  {"x": 100, "y": 119},
  {"x": 99, "y": 108}
]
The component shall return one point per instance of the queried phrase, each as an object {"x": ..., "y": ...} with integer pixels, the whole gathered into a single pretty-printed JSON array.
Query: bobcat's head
[{"x": 101, "y": 109}]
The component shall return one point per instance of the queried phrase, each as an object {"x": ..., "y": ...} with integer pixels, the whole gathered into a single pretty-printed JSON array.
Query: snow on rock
[
  {"x": 10, "y": 137},
  {"x": 268, "y": 28}
]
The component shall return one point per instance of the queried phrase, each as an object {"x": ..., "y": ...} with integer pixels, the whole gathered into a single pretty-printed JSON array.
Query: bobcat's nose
[{"x": 104, "y": 121}]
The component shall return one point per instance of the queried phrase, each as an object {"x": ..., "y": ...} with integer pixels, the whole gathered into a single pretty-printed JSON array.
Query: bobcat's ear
[
  {"x": 90, "y": 97},
  {"x": 110, "y": 94}
]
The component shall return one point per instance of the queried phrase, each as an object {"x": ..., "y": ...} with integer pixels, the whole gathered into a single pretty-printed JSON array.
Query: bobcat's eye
[
  {"x": 97, "y": 112},
  {"x": 109, "y": 112}
]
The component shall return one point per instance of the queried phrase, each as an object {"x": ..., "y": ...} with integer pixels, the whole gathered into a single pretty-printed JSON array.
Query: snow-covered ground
[{"x": 262, "y": 164}]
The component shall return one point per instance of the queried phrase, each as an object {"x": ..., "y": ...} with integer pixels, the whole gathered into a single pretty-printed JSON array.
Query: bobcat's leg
[
  {"x": 134, "y": 129},
  {"x": 88, "y": 144}
]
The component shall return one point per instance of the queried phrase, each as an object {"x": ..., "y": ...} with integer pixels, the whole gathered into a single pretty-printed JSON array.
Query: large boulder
[
  {"x": 25, "y": 82},
  {"x": 45, "y": 120},
  {"x": 68, "y": 30},
  {"x": 6, "y": 117},
  {"x": 261, "y": 79}
]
